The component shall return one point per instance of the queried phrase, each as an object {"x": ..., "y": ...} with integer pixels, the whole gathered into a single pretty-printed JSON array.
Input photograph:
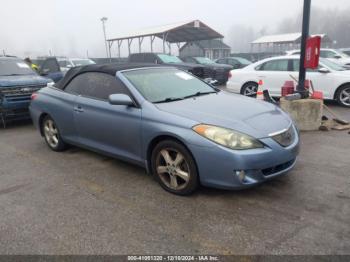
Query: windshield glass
[
  {"x": 332, "y": 65},
  {"x": 343, "y": 54},
  {"x": 82, "y": 62},
  {"x": 169, "y": 59},
  {"x": 204, "y": 60},
  {"x": 159, "y": 84},
  {"x": 10, "y": 67},
  {"x": 243, "y": 61}
]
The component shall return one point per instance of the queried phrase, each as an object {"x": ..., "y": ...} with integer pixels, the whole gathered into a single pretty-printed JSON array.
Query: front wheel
[
  {"x": 52, "y": 135},
  {"x": 343, "y": 96},
  {"x": 174, "y": 168},
  {"x": 250, "y": 89}
]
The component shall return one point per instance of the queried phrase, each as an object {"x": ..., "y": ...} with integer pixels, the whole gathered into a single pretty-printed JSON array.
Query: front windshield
[
  {"x": 82, "y": 62},
  {"x": 343, "y": 54},
  {"x": 169, "y": 59},
  {"x": 160, "y": 84},
  {"x": 243, "y": 61},
  {"x": 332, "y": 65},
  {"x": 204, "y": 60},
  {"x": 10, "y": 67}
]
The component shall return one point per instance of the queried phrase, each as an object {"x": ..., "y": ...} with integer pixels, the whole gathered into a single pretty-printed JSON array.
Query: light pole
[
  {"x": 103, "y": 20},
  {"x": 305, "y": 34}
]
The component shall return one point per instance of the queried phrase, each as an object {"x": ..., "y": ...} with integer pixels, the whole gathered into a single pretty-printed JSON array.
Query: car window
[
  {"x": 274, "y": 65},
  {"x": 295, "y": 66},
  {"x": 327, "y": 54},
  {"x": 14, "y": 67},
  {"x": 149, "y": 58},
  {"x": 222, "y": 61},
  {"x": 50, "y": 66},
  {"x": 62, "y": 63},
  {"x": 159, "y": 84},
  {"x": 96, "y": 85}
]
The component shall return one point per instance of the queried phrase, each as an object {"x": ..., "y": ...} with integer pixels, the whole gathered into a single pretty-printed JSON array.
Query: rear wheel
[
  {"x": 250, "y": 89},
  {"x": 52, "y": 135},
  {"x": 174, "y": 168},
  {"x": 343, "y": 96}
]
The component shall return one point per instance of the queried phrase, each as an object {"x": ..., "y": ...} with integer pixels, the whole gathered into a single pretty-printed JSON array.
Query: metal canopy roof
[
  {"x": 285, "y": 38},
  {"x": 175, "y": 33}
]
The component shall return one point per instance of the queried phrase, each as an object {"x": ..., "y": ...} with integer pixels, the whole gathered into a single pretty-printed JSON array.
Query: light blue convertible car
[{"x": 182, "y": 130}]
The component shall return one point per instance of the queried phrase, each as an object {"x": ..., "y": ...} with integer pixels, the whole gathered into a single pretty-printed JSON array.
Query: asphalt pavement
[{"x": 79, "y": 202}]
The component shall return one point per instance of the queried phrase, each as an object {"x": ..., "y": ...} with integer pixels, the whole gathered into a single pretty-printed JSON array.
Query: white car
[
  {"x": 330, "y": 78},
  {"x": 67, "y": 63},
  {"x": 335, "y": 56}
]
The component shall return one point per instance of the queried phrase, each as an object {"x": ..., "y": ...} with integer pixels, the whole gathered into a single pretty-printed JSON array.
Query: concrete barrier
[{"x": 307, "y": 113}]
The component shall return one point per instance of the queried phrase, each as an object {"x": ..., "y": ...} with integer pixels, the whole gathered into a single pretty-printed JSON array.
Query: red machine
[{"x": 312, "y": 55}]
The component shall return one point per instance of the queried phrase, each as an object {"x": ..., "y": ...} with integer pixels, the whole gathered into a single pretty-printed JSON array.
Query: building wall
[{"x": 191, "y": 49}]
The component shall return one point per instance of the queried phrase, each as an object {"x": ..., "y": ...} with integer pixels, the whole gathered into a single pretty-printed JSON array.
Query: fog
[{"x": 73, "y": 27}]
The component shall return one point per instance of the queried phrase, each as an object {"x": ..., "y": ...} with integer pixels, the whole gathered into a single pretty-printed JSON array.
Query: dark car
[
  {"x": 164, "y": 59},
  {"x": 235, "y": 62},
  {"x": 219, "y": 72},
  {"x": 17, "y": 83},
  {"x": 49, "y": 67}
]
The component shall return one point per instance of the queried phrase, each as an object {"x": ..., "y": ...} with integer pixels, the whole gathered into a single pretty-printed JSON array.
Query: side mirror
[
  {"x": 323, "y": 70},
  {"x": 337, "y": 56},
  {"x": 121, "y": 100}
]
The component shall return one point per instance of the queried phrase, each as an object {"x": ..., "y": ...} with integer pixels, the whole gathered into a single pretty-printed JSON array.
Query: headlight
[{"x": 227, "y": 137}]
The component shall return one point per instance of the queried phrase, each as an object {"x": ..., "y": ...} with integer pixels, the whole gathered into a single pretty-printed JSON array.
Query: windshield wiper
[
  {"x": 200, "y": 94},
  {"x": 169, "y": 99},
  {"x": 15, "y": 75}
]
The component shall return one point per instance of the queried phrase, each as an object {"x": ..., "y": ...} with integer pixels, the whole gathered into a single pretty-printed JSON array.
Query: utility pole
[
  {"x": 305, "y": 34},
  {"x": 103, "y": 20}
]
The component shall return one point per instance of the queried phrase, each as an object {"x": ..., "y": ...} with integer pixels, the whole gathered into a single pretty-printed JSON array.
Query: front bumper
[{"x": 218, "y": 165}]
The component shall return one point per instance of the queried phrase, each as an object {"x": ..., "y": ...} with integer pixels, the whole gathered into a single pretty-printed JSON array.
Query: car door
[
  {"x": 113, "y": 129},
  {"x": 274, "y": 73},
  {"x": 321, "y": 81}
]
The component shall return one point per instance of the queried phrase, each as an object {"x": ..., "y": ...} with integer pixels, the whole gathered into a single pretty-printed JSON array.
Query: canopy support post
[
  {"x": 152, "y": 40},
  {"x": 129, "y": 44},
  {"x": 119, "y": 45},
  {"x": 140, "y": 43}
]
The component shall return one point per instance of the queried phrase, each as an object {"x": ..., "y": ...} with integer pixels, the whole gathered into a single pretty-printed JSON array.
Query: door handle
[{"x": 78, "y": 109}]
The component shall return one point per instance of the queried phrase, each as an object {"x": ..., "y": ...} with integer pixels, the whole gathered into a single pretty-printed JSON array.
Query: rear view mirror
[
  {"x": 323, "y": 70},
  {"x": 121, "y": 100}
]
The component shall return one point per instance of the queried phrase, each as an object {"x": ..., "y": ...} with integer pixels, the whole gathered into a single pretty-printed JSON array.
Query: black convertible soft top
[{"x": 110, "y": 69}]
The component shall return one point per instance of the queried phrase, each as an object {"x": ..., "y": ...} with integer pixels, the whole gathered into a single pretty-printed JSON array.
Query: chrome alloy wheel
[
  {"x": 51, "y": 133},
  {"x": 344, "y": 96},
  {"x": 250, "y": 90},
  {"x": 173, "y": 169}
]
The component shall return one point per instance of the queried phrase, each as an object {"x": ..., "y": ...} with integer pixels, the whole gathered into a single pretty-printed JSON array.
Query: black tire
[
  {"x": 58, "y": 146},
  {"x": 247, "y": 87},
  {"x": 188, "y": 165},
  {"x": 340, "y": 96}
]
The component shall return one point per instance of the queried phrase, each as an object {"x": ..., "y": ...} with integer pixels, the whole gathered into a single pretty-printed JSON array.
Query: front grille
[
  {"x": 275, "y": 169},
  {"x": 19, "y": 93},
  {"x": 285, "y": 138}
]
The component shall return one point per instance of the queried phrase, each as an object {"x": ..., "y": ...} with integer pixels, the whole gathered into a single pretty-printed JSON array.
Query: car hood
[
  {"x": 23, "y": 80},
  {"x": 243, "y": 114}
]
